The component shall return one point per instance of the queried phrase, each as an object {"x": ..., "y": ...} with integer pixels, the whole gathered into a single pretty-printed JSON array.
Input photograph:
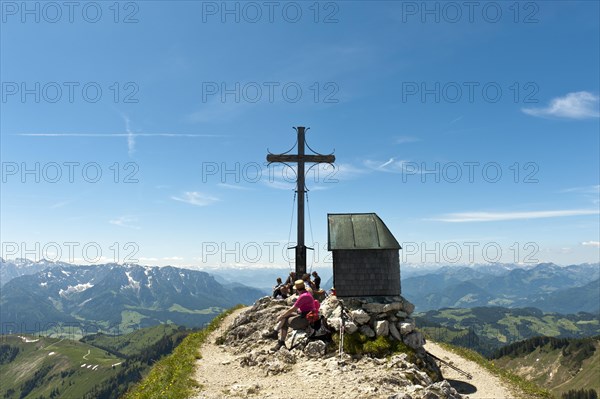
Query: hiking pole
[
  {"x": 342, "y": 328},
  {"x": 468, "y": 375}
]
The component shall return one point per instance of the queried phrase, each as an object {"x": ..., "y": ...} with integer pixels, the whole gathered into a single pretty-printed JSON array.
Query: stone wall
[
  {"x": 364, "y": 273},
  {"x": 374, "y": 317}
]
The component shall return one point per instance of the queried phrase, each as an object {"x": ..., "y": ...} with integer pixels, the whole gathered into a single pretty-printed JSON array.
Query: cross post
[{"x": 301, "y": 158}]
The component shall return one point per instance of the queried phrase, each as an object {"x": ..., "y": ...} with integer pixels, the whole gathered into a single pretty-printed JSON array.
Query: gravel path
[
  {"x": 484, "y": 385},
  {"x": 221, "y": 376}
]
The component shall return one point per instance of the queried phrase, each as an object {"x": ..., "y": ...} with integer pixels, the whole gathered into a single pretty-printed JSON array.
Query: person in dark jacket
[
  {"x": 280, "y": 289},
  {"x": 316, "y": 281}
]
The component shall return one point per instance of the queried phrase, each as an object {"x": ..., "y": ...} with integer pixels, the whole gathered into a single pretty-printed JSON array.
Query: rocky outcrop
[{"x": 410, "y": 375}]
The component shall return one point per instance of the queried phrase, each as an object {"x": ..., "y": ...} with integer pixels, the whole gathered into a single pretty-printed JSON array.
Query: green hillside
[
  {"x": 51, "y": 367},
  {"x": 138, "y": 341},
  {"x": 98, "y": 366},
  {"x": 486, "y": 329},
  {"x": 559, "y": 365}
]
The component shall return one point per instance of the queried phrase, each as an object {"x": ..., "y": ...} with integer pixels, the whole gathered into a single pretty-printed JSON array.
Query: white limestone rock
[
  {"x": 360, "y": 316},
  {"x": 391, "y": 307},
  {"x": 328, "y": 306},
  {"x": 382, "y": 328},
  {"x": 350, "y": 327},
  {"x": 406, "y": 328}
]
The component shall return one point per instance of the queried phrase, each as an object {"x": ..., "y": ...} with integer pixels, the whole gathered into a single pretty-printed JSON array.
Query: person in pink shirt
[{"x": 295, "y": 316}]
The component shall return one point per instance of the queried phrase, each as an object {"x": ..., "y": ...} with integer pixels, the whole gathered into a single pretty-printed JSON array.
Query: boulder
[
  {"x": 373, "y": 308},
  {"x": 414, "y": 340},
  {"x": 367, "y": 331},
  {"x": 336, "y": 323},
  {"x": 408, "y": 307},
  {"x": 394, "y": 332},
  {"x": 350, "y": 327},
  {"x": 392, "y": 307},
  {"x": 406, "y": 328},
  {"x": 315, "y": 349},
  {"x": 360, "y": 316},
  {"x": 382, "y": 328},
  {"x": 328, "y": 306},
  {"x": 401, "y": 315}
]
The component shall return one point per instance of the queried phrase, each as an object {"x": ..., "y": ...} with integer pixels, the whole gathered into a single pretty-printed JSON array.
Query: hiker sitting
[
  {"x": 280, "y": 290},
  {"x": 295, "y": 317},
  {"x": 289, "y": 282}
]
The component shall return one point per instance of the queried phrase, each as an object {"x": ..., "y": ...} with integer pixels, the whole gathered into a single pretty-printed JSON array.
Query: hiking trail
[{"x": 221, "y": 376}]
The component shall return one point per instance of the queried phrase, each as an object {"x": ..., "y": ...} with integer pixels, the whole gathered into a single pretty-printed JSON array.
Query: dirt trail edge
[
  {"x": 484, "y": 384},
  {"x": 221, "y": 376}
]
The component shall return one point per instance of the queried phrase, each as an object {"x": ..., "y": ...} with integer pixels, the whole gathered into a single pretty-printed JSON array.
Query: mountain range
[
  {"x": 549, "y": 287},
  {"x": 112, "y": 296},
  {"x": 22, "y": 266}
]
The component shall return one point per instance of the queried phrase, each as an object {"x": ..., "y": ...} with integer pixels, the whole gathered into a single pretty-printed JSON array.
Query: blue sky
[{"x": 139, "y": 132}]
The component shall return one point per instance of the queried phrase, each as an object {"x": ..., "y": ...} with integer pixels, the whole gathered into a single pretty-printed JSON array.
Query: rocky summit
[{"x": 382, "y": 355}]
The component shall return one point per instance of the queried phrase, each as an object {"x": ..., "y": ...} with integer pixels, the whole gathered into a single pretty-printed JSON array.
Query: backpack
[{"x": 312, "y": 316}]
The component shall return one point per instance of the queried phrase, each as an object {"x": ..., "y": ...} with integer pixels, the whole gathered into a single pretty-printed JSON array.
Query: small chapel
[{"x": 366, "y": 261}]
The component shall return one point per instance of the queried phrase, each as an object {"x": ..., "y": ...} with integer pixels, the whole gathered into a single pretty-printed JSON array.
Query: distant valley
[
  {"x": 559, "y": 365},
  {"x": 485, "y": 329},
  {"x": 97, "y": 367}
]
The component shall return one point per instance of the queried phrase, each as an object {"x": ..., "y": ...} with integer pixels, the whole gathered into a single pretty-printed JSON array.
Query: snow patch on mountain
[
  {"x": 133, "y": 284},
  {"x": 74, "y": 288}
]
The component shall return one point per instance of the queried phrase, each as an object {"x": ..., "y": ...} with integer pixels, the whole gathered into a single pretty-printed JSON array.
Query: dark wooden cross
[{"x": 301, "y": 159}]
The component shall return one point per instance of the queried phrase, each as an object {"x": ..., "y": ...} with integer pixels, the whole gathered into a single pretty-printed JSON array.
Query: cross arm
[{"x": 297, "y": 158}]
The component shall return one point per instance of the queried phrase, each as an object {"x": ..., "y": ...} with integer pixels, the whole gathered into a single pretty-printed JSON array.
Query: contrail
[{"x": 118, "y": 135}]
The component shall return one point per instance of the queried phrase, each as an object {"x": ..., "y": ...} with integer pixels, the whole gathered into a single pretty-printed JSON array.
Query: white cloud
[
  {"x": 453, "y": 121},
  {"x": 591, "y": 244},
  {"x": 130, "y": 137},
  {"x": 577, "y": 105},
  {"x": 60, "y": 204},
  {"x": 585, "y": 189},
  {"x": 108, "y": 135},
  {"x": 392, "y": 166},
  {"x": 503, "y": 216},
  {"x": 233, "y": 186},
  {"x": 406, "y": 139},
  {"x": 125, "y": 221},
  {"x": 172, "y": 258},
  {"x": 196, "y": 198}
]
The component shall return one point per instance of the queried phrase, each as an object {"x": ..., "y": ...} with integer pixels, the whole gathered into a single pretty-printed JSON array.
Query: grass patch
[
  {"x": 527, "y": 387},
  {"x": 171, "y": 377},
  {"x": 360, "y": 344}
]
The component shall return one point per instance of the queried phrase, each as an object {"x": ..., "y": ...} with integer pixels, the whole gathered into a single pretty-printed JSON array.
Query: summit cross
[{"x": 301, "y": 159}]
